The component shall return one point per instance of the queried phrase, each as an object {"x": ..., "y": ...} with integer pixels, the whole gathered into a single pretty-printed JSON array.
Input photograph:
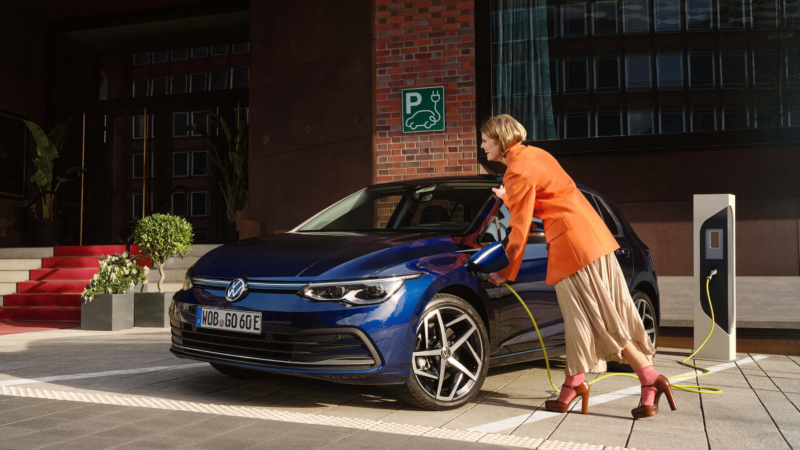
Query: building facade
[{"x": 647, "y": 101}]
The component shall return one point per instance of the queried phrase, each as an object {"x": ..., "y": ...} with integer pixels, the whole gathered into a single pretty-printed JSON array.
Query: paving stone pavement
[{"x": 70, "y": 388}]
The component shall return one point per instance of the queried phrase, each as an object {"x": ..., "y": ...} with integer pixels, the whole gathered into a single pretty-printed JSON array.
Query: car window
[
  {"x": 590, "y": 199},
  {"x": 494, "y": 232},
  {"x": 602, "y": 209},
  {"x": 448, "y": 207},
  {"x": 608, "y": 217},
  {"x": 538, "y": 224}
]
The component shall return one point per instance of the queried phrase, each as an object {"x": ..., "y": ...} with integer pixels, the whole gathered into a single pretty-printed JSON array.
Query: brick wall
[{"x": 419, "y": 44}]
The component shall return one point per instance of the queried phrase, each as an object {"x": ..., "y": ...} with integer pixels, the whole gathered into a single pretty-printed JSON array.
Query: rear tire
[
  {"x": 239, "y": 372},
  {"x": 466, "y": 356},
  {"x": 647, "y": 312}
]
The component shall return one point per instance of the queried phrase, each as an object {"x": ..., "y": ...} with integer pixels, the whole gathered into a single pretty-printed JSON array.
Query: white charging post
[{"x": 715, "y": 252}]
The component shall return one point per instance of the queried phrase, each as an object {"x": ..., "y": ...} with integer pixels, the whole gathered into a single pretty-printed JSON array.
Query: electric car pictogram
[
  {"x": 426, "y": 118},
  {"x": 388, "y": 287}
]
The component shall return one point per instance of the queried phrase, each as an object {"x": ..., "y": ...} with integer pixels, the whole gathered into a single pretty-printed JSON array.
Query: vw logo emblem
[{"x": 237, "y": 290}]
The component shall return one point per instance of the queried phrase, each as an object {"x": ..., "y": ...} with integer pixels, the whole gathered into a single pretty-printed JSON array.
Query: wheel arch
[{"x": 471, "y": 297}]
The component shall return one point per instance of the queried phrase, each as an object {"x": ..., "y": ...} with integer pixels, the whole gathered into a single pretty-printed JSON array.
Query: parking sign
[{"x": 423, "y": 109}]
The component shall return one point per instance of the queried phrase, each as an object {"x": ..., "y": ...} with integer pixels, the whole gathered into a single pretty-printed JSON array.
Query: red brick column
[{"x": 419, "y": 44}]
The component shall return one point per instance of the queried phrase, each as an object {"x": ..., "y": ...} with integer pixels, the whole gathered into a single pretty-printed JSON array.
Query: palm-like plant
[
  {"x": 48, "y": 145},
  {"x": 228, "y": 161}
]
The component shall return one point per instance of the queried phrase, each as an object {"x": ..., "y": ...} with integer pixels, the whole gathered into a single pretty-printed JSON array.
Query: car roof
[{"x": 477, "y": 179}]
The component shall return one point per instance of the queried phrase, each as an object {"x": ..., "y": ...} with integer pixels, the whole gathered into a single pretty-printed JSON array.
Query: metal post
[
  {"x": 238, "y": 119},
  {"x": 83, "y": 161},
  {"x": 144, "y": 166}
]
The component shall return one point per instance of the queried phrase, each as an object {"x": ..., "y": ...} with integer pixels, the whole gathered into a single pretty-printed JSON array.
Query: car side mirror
[{"x": 491, "y": 258}]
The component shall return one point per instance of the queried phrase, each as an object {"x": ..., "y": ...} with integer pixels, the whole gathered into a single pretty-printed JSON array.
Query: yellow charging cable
[{"x": 683, "y": 387}]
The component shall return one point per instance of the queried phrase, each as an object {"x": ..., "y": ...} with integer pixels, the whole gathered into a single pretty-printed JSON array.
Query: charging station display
[{"x": 714, "y": 256}]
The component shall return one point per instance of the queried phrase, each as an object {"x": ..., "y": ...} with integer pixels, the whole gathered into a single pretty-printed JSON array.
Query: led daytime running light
[{"x": 357, "y": 292}]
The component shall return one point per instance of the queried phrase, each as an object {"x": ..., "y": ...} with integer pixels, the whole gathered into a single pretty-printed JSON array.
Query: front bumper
[
  {"x": 326, "y": 349},
  {"x": 365, "y": 345}
]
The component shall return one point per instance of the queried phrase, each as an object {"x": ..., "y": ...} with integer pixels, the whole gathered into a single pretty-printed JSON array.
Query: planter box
[
  {"x": 108, "y": 312},
  {"x": 41, "y": 233},
  {"x": 150, "y": 309}
]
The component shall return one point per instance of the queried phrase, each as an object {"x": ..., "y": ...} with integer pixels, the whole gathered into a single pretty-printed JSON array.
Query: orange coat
[{"x": 576, "y": 235}]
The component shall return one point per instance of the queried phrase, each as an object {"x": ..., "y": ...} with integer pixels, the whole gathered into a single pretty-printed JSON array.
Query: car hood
[{"x": 322, "y": 256}]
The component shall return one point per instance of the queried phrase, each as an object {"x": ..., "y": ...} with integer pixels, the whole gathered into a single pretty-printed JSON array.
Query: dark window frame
[
  {"x": 191, "y": 204},
  {"x": 185, "y": 203},
  {"x": 750, "y": 139},
  {"x": 136, "y": 211},
  {"x": 198, "y": 173},
  {"x": 188, "y": 171}
]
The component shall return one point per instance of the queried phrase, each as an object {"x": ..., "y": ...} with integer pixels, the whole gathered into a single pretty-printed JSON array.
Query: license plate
[{"x": 230, "y": 320}]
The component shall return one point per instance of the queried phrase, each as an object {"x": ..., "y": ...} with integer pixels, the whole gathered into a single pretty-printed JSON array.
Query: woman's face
[{"x": 491, "y": 147}]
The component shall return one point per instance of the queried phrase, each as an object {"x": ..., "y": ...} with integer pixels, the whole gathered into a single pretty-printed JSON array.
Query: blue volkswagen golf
[{"x": 389, "y": 286}]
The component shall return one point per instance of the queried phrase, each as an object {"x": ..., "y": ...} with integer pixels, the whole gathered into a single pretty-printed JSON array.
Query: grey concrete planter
[
  {"x": 150, "y": 309},
  {"x": 108, "y": 312}
]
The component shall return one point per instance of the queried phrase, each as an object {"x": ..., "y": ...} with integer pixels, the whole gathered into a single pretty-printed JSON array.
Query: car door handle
[{"x": 623, "y": 252}]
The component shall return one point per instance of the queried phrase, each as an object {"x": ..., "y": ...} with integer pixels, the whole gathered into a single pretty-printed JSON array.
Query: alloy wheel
[
  {"x": 646, "y": 313},
  {"x": 448, "y": 353}
]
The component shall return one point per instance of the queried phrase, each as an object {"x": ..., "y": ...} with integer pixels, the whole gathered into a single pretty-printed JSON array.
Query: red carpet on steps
[
  {"x": 51, "y": 299},
  {"x": 7, "y": 327}
]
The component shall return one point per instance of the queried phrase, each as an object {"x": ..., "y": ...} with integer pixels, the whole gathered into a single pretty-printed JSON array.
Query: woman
[{"x": 600, "y": 320}]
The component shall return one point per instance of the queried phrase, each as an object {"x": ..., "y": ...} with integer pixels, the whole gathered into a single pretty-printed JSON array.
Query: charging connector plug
[{"x": 712, "y": 273}]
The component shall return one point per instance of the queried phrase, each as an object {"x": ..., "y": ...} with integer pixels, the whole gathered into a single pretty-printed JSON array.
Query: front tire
[
  {"x": 647, "y": 312},
  {"x": 447, "y": 373}
]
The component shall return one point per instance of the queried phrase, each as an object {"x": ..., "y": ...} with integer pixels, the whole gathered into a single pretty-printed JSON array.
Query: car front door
[{"x": 516, "y": 334}]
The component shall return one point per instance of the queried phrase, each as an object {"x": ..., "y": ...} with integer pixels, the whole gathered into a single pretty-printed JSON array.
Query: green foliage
[
  {"x": 118, "y": 273},
  {"x": 229, "y": 162},
  {"x": 163, "y": 236},
  {"x": 48, "y": 145}
]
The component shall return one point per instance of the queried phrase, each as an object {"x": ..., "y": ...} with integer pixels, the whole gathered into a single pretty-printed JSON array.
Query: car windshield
[{"x": 446, "y": 207}]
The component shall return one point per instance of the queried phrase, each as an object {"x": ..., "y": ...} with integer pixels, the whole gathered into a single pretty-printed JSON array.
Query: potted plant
[
  {"x": 159, "y": 237},
  {"x": 108, "y": 298},
  {"x": 48, "y": 145},
  {"x": 228, "y": 166}
]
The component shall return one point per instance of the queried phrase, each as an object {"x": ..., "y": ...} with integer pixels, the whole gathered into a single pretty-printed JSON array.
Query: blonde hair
[{"x": 505, "y": 130}]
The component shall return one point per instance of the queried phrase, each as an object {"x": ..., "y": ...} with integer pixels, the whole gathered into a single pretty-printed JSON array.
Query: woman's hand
[
  {"x": 500, "y": 192},
  {"x": 496, "y": 279}
]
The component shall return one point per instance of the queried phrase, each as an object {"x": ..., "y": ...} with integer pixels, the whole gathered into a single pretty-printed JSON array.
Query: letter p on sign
[{"x": 412, "y": 99}]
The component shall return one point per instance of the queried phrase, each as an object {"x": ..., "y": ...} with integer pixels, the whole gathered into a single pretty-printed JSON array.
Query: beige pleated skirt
[{"x": 599, "y": 317}]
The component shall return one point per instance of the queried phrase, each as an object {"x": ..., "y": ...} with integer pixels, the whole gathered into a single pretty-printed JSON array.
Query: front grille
[
  {"x": 253, "y": 285},
  {"x": 330, "y": 348}
]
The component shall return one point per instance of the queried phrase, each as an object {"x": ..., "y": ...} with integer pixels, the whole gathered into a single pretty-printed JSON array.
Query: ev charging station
[{"x": 715, "y": 257}]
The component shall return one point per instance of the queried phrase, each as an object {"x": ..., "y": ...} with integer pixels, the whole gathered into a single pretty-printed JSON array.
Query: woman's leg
[
  {"x": 567, "y": 394},
  {"x": 635, "y": 356},
  {"x": 647, "y": 375},
  {"x": 577, "y": 335}
]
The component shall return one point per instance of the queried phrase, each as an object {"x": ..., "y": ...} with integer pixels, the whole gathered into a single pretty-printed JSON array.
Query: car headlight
[
  {"x": 187, "y": 278},
  {"x": 187, "y": 282},
  {"x": 357, "y": 292}
]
